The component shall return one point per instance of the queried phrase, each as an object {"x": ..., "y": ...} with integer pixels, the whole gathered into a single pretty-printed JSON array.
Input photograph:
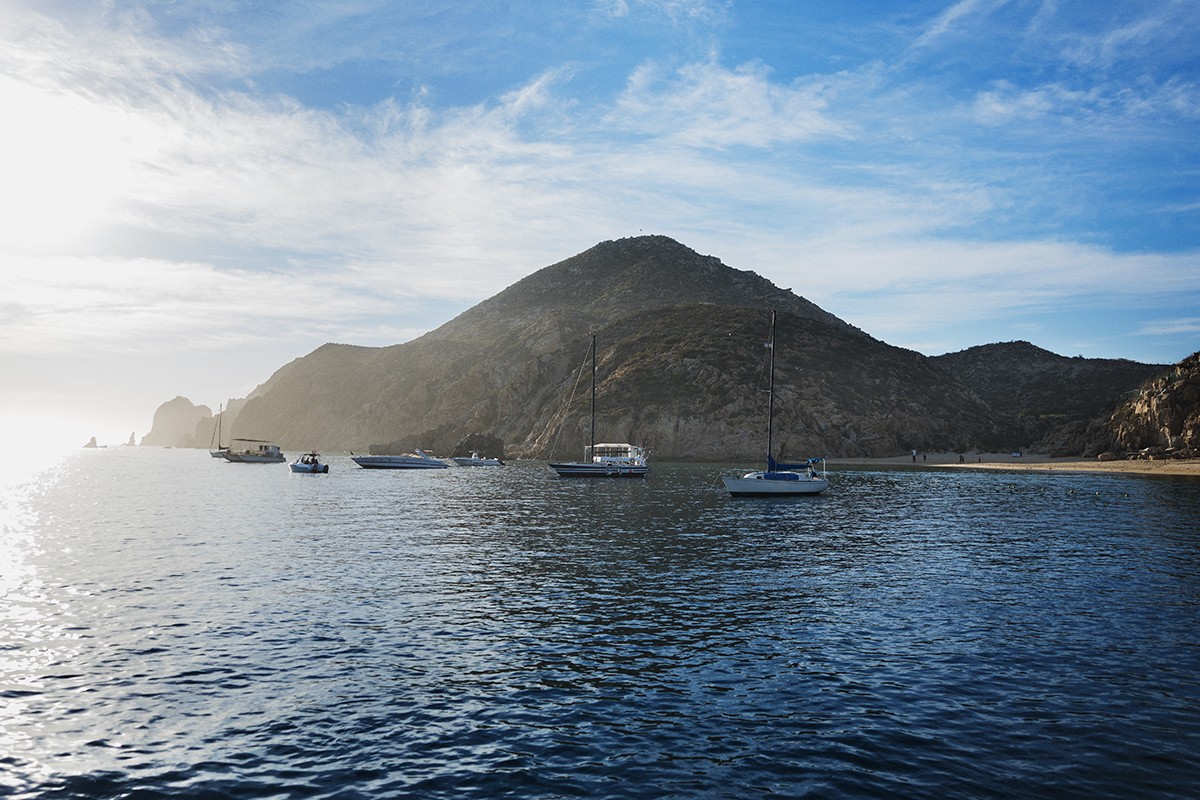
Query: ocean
[{"x": 175, "y": 626}]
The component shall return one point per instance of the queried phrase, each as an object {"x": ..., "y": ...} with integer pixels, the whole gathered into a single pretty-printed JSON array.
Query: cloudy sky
[{"x": 194, "y": 193}]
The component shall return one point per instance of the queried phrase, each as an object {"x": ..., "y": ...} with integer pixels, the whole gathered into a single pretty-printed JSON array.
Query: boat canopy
[{"x": 613, "y": 450}]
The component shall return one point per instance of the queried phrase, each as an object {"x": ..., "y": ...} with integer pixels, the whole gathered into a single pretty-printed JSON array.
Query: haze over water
[{"x": 177, "y": 626}]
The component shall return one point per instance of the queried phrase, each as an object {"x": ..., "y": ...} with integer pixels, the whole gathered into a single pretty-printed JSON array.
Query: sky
[{"x": 193, "y": 194}]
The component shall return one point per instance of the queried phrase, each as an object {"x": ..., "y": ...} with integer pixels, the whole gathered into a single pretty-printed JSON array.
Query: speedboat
[
  {"x": 309, "y": 463},
  {"x": 422, "y": 459},
  {"x": 253, "y": 451},
  {"x": 476, "y": 460},
  {"x": 606, "y": 460}
]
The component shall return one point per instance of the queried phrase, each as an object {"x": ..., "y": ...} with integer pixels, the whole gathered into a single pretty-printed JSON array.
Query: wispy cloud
[
  {"x": 1185, "y": 325},
  {"x": 707, "y": 105}
]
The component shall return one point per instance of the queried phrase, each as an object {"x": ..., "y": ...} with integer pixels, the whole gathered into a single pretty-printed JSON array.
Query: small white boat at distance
[
  {"x": 309, "y": 463},
  {"x": 253, "y": 451},
  {"x": 608, "y": 459},
  {"x": 476, "y": 460},
  {"x": 778, "y": 479},
  {"x": 422, "y": 459}
]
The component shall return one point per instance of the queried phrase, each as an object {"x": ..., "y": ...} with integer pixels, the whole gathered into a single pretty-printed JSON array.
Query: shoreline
[{"x": 1027, "y": 462}]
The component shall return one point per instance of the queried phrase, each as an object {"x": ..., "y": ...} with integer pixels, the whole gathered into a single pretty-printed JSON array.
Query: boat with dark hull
[{"x": 608, "y": 459}]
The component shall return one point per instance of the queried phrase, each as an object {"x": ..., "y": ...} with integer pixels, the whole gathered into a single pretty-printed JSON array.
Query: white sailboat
[
  {"x": 218, "y": 451},
  {"x": 607, "y": 459},
  {"x": 778, "y": 479}
]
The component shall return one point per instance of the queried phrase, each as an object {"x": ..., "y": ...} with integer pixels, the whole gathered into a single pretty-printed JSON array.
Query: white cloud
[
  {"x": 707, "y": 105},
  {"x": 949, "y": 20},
  {"x": 1172, "y": 326}
]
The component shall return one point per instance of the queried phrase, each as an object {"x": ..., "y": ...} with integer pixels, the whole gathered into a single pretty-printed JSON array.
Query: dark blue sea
[{"x": 176, "y": 626}]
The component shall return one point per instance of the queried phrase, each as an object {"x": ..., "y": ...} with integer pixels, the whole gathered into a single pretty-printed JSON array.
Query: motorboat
[
  {"x": 778, "y": 479},
  {"x": 422, "y": 459},
  {"x": 476, "y": 460},
  {"x": 253, "y": 451},
  {"x": 309, "y": 463},
  {"x": 608, "y": 459}
]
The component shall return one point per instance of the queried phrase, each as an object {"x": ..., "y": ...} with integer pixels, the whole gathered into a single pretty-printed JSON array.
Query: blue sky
[{"x": 196, "y": 193}]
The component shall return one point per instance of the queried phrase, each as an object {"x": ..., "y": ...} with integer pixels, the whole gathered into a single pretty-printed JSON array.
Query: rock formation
[
  {"x": 1164, "y": 416},
  {"x": 179, "y": 423}
]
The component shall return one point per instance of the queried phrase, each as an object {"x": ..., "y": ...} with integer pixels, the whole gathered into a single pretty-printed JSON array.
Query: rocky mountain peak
[{"x": 626, "y": 278}]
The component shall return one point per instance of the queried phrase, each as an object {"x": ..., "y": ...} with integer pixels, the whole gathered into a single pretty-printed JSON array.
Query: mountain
[
  {"x": 680, "y": 369},
  {"x": 1037, "y": 391}
]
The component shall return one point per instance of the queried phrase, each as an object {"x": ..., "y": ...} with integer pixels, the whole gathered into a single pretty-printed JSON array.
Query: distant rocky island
[{"x": 680, "y": 343}]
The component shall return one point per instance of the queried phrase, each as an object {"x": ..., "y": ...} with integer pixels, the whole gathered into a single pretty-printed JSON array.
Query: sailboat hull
[
  {"x": 774, "y": 484},
  {"x": 582, "y": 469}
]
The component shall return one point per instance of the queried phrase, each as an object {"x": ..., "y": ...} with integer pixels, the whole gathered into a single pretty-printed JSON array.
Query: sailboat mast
[
  {"x": 592, "y": 446},
  {"x": 771, "y": 393}
]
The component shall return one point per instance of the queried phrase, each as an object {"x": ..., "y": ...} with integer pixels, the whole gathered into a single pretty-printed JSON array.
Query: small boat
[
  {"x": 422, "y": 459},
  {"x": 253, "y": 451},
  {"x": 608, "y": 459},
  {"x": 778, "y": 479},
  {"x": 476, "y": 460},
  {"x": 310, "y": 463}
]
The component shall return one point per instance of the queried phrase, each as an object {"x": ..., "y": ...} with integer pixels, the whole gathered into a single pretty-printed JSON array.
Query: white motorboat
[
  {"x": 608, "y": 459},
  {"x": 253, "y": 451},
  {"x": 422, "y": 459},
  {"x": 476, "y": 460},
  {"x": 309, "y": 463},
  {"x": 778, "y": 479}
]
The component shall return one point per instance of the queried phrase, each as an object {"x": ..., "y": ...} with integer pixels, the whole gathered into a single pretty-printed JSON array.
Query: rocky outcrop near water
[
  {"x": 1163, "y": 418},
  {"x": 681, "y": 369},
  {"x": 180, "y": 423}
]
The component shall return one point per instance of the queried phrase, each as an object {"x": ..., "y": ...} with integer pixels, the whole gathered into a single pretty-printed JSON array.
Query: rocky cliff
[
  {"x": 1163, "y": 416},
  {"x": 681, "y": 370},
  {"x": 180, "y": 423},
  {"x": 176, "y": 424}
]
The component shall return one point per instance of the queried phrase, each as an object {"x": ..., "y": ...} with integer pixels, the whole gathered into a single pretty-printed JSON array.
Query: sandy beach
[{"x": 1034, "y": 462}]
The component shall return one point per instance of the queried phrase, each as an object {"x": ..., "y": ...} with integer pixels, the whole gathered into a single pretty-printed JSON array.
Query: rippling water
[{"x": 177, "y": 626}]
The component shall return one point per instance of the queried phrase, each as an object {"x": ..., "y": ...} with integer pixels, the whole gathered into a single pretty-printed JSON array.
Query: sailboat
[
  {"x": 607, "y": 459},
  {"x": 778, "y": 479},
  {"x": 218, "y": 451}
]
